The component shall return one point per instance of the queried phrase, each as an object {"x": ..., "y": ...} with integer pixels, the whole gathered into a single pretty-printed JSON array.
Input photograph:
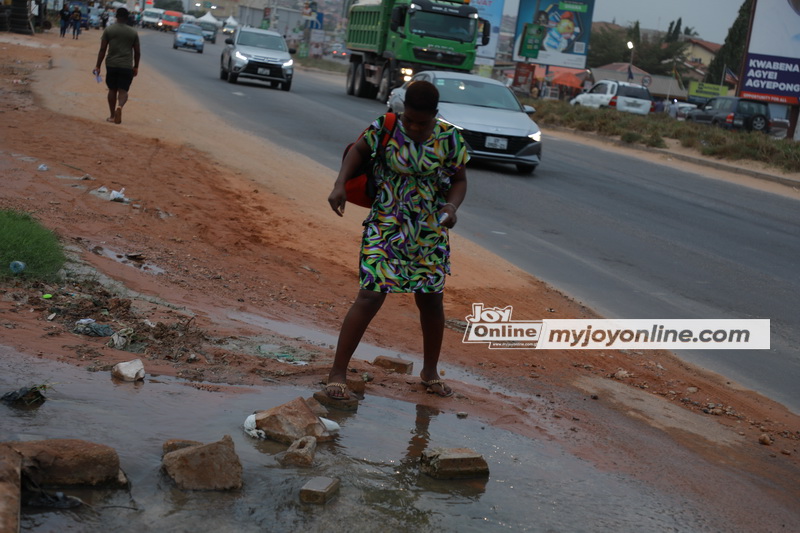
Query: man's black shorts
[{"x": 119, "y": 78}]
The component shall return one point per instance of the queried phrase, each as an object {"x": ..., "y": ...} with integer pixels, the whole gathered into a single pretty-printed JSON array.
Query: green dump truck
[{"x": 391, "y": 40}]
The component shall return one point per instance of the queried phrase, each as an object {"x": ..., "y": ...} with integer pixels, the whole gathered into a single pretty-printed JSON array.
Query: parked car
[
  {"x": 257, "y": 54},
  {"x": 683, "y": 109},
  {"x": 624, "y": 96},
  {"x": 209, "y": 31},
  {"x": 495, "y": 126},
  {"x": 189, "y": 36},
  {"x": 733, "y": 113}
]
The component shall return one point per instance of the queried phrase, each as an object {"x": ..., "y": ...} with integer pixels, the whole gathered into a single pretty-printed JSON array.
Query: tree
[
  {"x": 732, "y": 52},
  {"x": 676, "y": 33},
  {"x": 607, "y": 46}
]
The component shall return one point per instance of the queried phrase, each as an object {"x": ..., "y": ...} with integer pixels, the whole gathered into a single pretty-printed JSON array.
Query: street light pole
[{"x": 630, "y": 46}]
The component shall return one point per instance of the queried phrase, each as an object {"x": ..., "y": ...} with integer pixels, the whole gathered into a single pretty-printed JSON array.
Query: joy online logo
[{"x": 493, "y": 325}]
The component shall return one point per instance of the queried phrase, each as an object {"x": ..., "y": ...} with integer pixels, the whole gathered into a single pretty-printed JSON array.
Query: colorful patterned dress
[{"x": 404, "y": 249}]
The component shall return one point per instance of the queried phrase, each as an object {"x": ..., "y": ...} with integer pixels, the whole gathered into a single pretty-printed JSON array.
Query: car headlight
[
  {"x": 456, "y": 126},
  {"x": 536, "y": 137},
  {"x": 288, "y": 63},
  {"x": 241, "y": 56}
]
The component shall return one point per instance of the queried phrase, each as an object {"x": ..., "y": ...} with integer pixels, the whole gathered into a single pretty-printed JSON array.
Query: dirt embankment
[{"x": 213, "y": 243}]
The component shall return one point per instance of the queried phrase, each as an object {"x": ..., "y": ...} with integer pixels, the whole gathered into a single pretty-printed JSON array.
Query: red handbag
[{"x": 361, "y": 189}]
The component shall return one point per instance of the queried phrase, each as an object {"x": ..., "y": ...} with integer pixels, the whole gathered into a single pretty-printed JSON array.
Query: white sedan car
[{"x": 495, "y": 126}]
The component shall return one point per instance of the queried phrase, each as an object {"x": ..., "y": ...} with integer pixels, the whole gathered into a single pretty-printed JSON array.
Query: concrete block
[
  {"x": 342, "y": 405},
  {"x": 453, "y": 463},
  {"x": 319, "y": 490},
  {"x": 395, "y": 365}
]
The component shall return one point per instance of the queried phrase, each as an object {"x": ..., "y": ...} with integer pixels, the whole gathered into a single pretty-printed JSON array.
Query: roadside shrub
[
  {"x": 23, "y": 239},
  {"x": 631, "y": 137},
  {"x": 655, "y": 127},
  {"x": 654, "y": 140}
]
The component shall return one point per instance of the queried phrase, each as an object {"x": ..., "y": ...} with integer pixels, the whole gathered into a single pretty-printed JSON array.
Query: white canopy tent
[
  {"x": 232, "y": 21},
  {"x": 208, "y": 17}
]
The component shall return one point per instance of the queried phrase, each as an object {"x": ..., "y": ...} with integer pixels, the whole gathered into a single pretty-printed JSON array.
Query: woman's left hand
[{"x": 447, "y": 216}]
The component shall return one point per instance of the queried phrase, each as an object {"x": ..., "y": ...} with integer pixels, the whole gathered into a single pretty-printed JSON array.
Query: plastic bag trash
[
  {"x": 43, "y": 167},
  {"x": 121, "y": 339},
  {"x": 250, "y": 428},
  {"x": 16, "y": 267},
  {"x": 84, "y": 321},
  {"x": 94, "y": 329},
  {"x": 117, "y": 196},
  {"x": 330, "y": 425}
]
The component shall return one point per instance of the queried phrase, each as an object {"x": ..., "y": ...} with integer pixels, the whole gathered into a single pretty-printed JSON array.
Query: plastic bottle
[
  {"x": 16, "y": 266},
  {"x": 97, "y": 75}
]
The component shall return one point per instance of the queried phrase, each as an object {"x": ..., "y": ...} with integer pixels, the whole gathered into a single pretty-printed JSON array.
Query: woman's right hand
[{"x": 337, "y": 199}]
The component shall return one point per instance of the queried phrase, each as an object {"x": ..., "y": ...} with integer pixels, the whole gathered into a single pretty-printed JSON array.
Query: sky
[{"x": 711, "y": 19}]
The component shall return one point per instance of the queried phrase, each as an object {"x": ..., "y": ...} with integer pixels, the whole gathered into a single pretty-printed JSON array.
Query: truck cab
[{"x": 392, "y": 40}]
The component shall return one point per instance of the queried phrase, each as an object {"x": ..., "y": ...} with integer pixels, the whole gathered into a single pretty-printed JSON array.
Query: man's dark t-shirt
[{"x": 121, "y": 39}]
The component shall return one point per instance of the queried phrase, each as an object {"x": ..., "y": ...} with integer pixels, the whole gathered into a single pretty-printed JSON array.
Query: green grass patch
[
  {"x": 651, "y": 130},
  {"x": 23, "y": 239}
]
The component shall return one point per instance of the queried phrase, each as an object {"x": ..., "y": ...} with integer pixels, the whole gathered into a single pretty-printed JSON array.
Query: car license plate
[
  {"x": 263, "y": 71},
  {"x": 738, "y": 122},
  {"x": 499, "y": 143}
]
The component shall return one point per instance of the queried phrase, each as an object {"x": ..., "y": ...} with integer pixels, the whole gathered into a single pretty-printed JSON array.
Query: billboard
[
  {"x": 492, "y": 11},
  {"x": 772, "y": 64},
  {"x": 553, "y": 32}
]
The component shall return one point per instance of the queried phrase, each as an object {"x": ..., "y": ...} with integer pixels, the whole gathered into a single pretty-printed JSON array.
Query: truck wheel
[
  {"x": 223, "y": 74},
  {"x": 359, "y": 83},
  {"x": 286, "y": 86},
  {"x": 348, "y": 84},
  {"x": 231, "y": 76},
  {"x": 386, "y": 85}
]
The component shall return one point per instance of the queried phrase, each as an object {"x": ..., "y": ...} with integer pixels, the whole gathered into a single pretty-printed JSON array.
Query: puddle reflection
[{"x": 533, "y": 485}]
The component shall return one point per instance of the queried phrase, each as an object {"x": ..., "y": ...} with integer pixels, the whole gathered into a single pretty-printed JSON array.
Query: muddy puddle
[{"x": 533, "y": 485}]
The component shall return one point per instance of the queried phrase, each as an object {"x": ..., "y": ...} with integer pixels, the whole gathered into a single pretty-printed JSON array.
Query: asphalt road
[{"x": 628, "y": 238}]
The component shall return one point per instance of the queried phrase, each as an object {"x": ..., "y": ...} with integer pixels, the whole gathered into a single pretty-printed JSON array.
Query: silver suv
[
  {"x": 259, "y": 55},
  {"x": 621, "y": 95}
]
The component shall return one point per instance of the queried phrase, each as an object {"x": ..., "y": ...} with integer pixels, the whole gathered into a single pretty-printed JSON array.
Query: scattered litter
[
  {"x": 250, "y": 428},
  {"x": 47, "y": 296},
  {"x": 330, "y": 425},
  {"x": 85, "y": 321},
  {"x": 103, "y": 189},
  {"x": 43, "y": 167},
  {"x": 51, "y": 316},
  {"x": 121, "y": 339},
  {"x": 93, "y": 329},
  {"x": 16, "y": 266},
  {"x": 118, "y": 196}
]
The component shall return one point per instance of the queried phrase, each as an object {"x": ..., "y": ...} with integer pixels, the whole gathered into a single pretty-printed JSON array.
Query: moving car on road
[
  {"x": 492, "y": 121},
  {"x": 209, "y": 31},
  {"x": 733, "y": 113},
  {"x": 257, "y": 54},
  {"x": 189, "y": 36},
  {"x": 628, "y": 97}
]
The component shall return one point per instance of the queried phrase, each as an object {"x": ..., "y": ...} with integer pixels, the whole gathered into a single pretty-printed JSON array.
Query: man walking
[
  {"x": 122, "y": 64},
  {"x": 64, "y": 16}
]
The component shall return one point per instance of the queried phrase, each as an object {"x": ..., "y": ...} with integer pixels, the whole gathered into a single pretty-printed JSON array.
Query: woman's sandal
[
  {"x": 446, "y": 391},
  {"x": 342, "y": 387}
]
